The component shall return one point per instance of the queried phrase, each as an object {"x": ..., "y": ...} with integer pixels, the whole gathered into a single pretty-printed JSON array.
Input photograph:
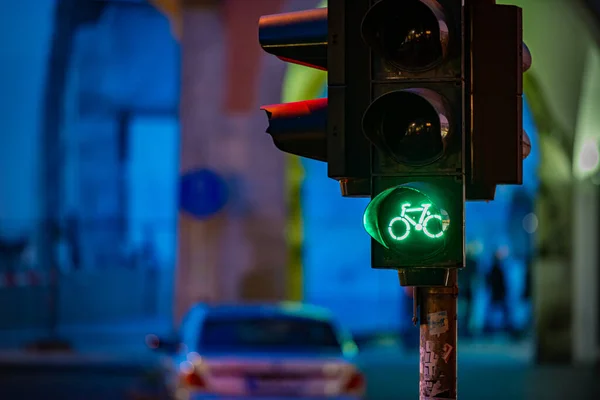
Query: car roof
[
  {"x": 191, "y": 325},
  {"x": 282, "y": 309}
]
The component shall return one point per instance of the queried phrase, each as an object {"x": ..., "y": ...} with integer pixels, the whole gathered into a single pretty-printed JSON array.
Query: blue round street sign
[{"x": 202, "y": 193}]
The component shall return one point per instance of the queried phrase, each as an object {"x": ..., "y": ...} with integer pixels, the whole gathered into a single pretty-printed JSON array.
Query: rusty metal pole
[{"x": 438, "y": 332}]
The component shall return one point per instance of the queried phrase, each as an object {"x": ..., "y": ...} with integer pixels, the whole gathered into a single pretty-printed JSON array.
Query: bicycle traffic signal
[
  {"x": 446, "y": 100},
  {"x": 423, "y": 113},
  {"x": 415, "y": 123}
]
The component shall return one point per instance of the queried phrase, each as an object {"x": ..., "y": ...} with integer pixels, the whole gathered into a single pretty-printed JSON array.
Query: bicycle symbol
[{"x": 420, "y": 225}]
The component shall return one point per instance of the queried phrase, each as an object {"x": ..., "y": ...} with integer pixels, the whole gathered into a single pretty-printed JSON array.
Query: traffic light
[
  {"x": 423, "y": 113},
  {"x": 415, "y": 123},
  {"x": 444, "y": 121}
]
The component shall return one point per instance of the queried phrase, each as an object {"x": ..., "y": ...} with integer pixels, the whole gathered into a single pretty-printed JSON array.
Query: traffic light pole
[{"x": 438, "y": 332}]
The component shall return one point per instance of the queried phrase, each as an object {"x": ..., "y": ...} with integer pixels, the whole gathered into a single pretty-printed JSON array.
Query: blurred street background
[{"x": 136, "y": 180}]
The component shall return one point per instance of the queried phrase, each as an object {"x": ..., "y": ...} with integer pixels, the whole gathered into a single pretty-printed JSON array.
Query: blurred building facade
[
  {"x": 100, "y": 140},
  {"x": 22, "y": 82}
]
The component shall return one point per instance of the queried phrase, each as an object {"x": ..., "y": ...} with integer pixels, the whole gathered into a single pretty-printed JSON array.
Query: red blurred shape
[
  {"x": 152, "y": 341},
  {"x": 243, "y": 57},
  {"x": 10, "y": 279},
  {"x": 356, "y": 383},
  {"x": 194, "y": 380},
  {"x": 296, "y": 109}
]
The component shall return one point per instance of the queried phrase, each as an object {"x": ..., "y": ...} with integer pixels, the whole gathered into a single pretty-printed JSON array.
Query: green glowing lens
[{"x": 407, "y": 220}]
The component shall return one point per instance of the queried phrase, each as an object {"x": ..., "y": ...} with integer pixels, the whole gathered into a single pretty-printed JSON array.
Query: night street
[
  {"x": 390, "y": 374},
  {"x": 323, "y": 199},
  {"x": 71, "y": 377},
  {"x": 493, "y": 374}
]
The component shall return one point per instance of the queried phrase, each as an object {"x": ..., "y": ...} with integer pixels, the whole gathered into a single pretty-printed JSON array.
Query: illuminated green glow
[{"x": 407, "y": 220}]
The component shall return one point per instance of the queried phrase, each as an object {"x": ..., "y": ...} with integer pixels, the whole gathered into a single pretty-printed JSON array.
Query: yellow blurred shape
[{"x": 172, "y": 10}]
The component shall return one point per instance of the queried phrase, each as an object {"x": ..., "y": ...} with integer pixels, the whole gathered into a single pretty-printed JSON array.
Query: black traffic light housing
[
  {"x": 389, "y": 29},
  {"x": 415, "y": 122},
  {"x": 494, "y": 97},
  {"x": 296, "y": 37},
  {"x": 445, "y": 124}
]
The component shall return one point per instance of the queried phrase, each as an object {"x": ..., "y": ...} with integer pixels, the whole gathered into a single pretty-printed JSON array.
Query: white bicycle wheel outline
[
  {"x": 429, "y": 234},
  {"x": 391, "y": 232},
  {"x": 408, "y": 229}
]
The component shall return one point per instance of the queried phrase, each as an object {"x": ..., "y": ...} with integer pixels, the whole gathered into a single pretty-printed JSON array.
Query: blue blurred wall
[
  {"x": 118, "y": 161},
  {"x": 122, "y": 132},
  {"x": 25, "y": 28},
  {"x": 124, "y": 71}
]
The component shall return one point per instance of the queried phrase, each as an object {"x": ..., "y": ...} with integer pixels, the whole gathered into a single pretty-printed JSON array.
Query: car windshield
[{"x": 282, "y": 334}]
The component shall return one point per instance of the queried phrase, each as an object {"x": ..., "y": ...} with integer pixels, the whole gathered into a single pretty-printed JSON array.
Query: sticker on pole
[
  {"x": 437, "y": 322},
  {"x": 202, "y": 193},
  {"x": 446, "y": 352},
  {"x": 432, "y": 382}
]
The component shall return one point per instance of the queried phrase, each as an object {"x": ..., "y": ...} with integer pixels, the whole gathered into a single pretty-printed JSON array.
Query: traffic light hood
[
  {"x": 296, "y": 37},
  {"x": 299, "y": 128},
  {"x": 410, "y": 125},
  {"x": 412, "y": 35}
]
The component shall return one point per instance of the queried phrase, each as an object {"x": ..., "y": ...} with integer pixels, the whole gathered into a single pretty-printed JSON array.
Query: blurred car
[{"x": 268, "y": 351}]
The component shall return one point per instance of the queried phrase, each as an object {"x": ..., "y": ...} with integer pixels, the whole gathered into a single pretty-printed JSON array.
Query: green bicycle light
[{"x": 407, "y": 220}]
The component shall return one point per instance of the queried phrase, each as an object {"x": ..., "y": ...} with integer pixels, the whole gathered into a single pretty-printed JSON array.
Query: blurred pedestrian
[
  {"x": 497, "y": 283},
  {"x": 528, "y": 270},
  {"x": 522, "y": 224},
  {"x": 148, "y": 259},
  {"x": 72, "y": 238},
  {"x": 11, "y": 253},
  {"x": 466, "y": 283}
]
